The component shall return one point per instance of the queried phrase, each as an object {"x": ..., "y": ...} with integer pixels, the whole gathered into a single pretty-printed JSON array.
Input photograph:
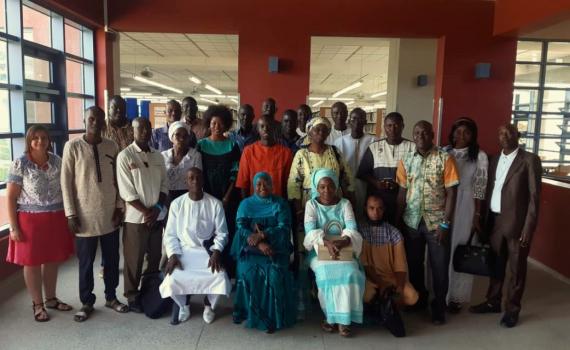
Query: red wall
[
  {"x": 552, "y": 238},
  {"x": 512, "y": 15},
  {"x": 284, "y": 29}
]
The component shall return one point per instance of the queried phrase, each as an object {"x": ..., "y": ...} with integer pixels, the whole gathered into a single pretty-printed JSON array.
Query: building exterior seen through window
[
  {"x": 46, "y": 77},
  {"x": 541, "y": 102}
]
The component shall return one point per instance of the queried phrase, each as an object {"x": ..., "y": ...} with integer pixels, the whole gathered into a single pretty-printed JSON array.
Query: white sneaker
[
  {"x": 209, "y": 314},
  {"x": 184, "y": 313}
]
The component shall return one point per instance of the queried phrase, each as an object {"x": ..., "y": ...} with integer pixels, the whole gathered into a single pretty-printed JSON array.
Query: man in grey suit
[{"x": 513, "y": 196}]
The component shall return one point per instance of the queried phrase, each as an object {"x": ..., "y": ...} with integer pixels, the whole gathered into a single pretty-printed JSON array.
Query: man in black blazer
[{"x": 513, "y": 197}]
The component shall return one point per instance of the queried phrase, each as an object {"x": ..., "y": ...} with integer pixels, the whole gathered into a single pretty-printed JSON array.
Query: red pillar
[
  {"x": 104, "y": 69},
  {"x": 290, "y": 86}
]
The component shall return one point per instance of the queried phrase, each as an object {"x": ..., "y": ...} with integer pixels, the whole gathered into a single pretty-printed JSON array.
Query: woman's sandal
[
  {"x": 56, "y": 304},
  {"x": 116, "y": 305},
  {"x": 327, "y": 327},
  {"x": 344, "y": 331},
  {"x": 40, "y": 313},
  {"x": 83, "y": 313}
]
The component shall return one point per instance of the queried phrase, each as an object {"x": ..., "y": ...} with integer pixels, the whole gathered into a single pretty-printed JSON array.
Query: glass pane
[
  {"x": 4, "y": 111},
  {"x": 37, "y": 69},
  {"x": 74, "y": 74},
  {"x": 525, "y": 122},
  {"x": 3, "y": 16},
  {"x": 75, "y": 113},
  {"x": 529, "y": 51},
  {"x": 73, "y": 40},
  {"x": 557, "y": 101},
  {"x": 557, "y": 77},
  {"x": 553, "y": 125},
  {"x": 3, "y": 61},
  {"x": 36, "y": 26},
  {"x": 527, "y": 74},
  {"x": 552, "y": 150},
  {"x": 526, "y": 143},
  {"x": 525, "y": 100},
  {"x": 5, "y": 158},
  {"x": 558, "y": 52},
  {"x": 39, "y": 112}
]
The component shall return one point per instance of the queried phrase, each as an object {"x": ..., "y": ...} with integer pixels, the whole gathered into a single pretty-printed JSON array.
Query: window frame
[
  {"x": 539, "y": 115},
  {"x": 21, "y": 90}
]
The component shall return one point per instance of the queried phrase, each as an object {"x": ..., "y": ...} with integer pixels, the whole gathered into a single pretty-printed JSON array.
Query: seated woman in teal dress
[
  {"x": 265, "y": 295},
  {"x": 340, "y": 283}
]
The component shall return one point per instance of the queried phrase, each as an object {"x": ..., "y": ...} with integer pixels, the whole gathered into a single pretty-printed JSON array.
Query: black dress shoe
[
  {"x": 453, "y": 307},
  {"x": 135, "y": 307},
  {"x": 485, "y": 308},
  {"x": 510, "y": 319},
  {"x": 438, "y": 318}
]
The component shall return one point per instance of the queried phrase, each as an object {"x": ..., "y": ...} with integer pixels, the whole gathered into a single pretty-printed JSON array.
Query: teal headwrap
[{"x": 318, "y": 175}]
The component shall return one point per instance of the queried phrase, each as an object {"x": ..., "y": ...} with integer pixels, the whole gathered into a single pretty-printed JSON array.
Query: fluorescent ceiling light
[
  {"x": 347, "y": 89},
  {"x": 378, "y": 94},
  {"x": 234, "y": 100},
  {"x": 349, "y": 103},
  {"x": 154, "y": 83},
  {"x": 209, "y": 101},
  {"x": 318, "y": 103},
  {"x": 212, "y": 96},
  {"x": 195, "y": 80},
  {"x": 202, "y": 108},
  {"x": 317, "y": 98},
  {"x": 231, "y": 96},
  {"x": 342, "y": 99},
  {"x": 125, "y": 89},
  {"x": 213, "y": 89}
]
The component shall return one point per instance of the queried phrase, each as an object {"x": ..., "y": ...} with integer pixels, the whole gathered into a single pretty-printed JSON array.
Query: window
[
  {"x": 46, "y": 77},
  {"x": 541, "y": 102}
]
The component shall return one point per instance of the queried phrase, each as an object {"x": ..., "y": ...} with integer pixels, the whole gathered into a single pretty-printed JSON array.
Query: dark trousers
[
  {"x": 86, "y": 249},
  {"x": 438, "y": 254},
  {"x": 507, "y": 250},
  {"x": 139, "y": 240}
]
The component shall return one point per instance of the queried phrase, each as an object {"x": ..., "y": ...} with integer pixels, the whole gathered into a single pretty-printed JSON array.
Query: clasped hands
[
  {"x": 258, "y": 239},
  {"x": 334, "y": 247}
]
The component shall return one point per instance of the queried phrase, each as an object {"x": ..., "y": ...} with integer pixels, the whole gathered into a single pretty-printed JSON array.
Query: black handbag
[
  {"x": 472, "y": 259},
  {"x": 389, "y": 314}
]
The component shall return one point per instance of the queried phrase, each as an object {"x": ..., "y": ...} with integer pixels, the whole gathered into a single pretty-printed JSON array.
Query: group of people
[{"x": 278, "y": 211}]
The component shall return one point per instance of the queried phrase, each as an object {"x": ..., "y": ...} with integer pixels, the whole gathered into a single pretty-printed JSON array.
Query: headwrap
[
  {"x": 257, "y": 206},
  {"x": 262, "y": 175},
  {"x": 318, "y": 175},
  {"x": 175, "y": 126},
  {"x": 317, "y": 121}
]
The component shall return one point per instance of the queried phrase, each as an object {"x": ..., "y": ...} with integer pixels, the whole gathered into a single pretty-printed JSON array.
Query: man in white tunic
[
  {"x": 352, "y": 147},
  {"x": 195, "y": 236}
]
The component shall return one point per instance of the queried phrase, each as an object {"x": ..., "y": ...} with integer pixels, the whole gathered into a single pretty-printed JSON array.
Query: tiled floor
[{"x": 544, "y": 324}]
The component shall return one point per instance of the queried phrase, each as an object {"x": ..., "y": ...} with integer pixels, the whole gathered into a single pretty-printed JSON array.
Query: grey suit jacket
[{"x": 520, "y": 195}]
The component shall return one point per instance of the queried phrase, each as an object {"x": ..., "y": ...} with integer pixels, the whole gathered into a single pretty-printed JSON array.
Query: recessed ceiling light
[
  {"x": 378, "y": 94},
  {"x": 213, "y": 89},
  {"x": 195, "y": 80},
  {"x": 318, "y": 104},
  {"x": 209, "y": 101},
  {"x": 347, "y": 89},
  {"x": 157, "y": 84}
]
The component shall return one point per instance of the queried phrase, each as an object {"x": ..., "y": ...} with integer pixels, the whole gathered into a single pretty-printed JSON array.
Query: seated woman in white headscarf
[
  {"x": 340, "y": 283},
  {"x": 194, "y": 238},
  {"x": 179, "y": 158}
]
